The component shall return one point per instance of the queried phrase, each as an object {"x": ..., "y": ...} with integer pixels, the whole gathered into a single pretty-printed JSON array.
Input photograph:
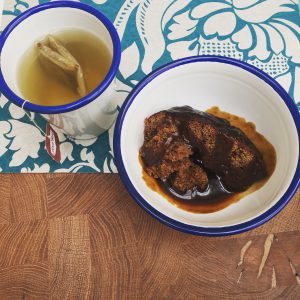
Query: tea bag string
[{"x": 32, "y": 120}]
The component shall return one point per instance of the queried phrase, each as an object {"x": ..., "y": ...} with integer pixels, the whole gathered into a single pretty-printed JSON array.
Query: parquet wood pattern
[{"x": 81, "y": 236}]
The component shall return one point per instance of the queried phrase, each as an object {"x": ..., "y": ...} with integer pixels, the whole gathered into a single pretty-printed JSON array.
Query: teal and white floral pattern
[{"x": 264, "y": 33}]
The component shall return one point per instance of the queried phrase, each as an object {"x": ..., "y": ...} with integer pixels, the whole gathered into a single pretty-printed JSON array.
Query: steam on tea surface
[{"x": 63, "y": 67}]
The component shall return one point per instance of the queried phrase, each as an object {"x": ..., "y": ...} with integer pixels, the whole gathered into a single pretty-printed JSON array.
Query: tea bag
[{"x": 59, "y": 61}]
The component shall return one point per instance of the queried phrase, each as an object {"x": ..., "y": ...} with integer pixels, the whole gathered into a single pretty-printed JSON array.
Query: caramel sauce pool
[
  {"x": 216, "y": 197},
  {"x": 38, "y": 87}
]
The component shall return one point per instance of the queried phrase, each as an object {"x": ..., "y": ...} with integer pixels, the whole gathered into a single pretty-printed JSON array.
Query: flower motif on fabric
[{"x": 264, "y": 33}]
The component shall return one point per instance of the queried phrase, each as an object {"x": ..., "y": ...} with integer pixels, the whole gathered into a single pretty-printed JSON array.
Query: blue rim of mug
[
  {"x": 5, "y": 89},
  {"x": 197, "y": 230}
]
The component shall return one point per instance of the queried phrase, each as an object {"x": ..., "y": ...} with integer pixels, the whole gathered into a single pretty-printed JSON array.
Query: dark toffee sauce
[{"x": 216, "y": 197}]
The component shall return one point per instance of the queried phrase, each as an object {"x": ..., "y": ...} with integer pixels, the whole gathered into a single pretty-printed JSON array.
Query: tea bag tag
[{"x": 52, "y": 143}]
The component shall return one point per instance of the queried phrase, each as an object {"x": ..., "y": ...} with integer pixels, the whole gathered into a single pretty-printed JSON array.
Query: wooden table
[{"x": 80, "y": 236}]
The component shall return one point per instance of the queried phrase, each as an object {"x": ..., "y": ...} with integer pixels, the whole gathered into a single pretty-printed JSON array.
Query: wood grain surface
[{"x": 80, "y": 236}]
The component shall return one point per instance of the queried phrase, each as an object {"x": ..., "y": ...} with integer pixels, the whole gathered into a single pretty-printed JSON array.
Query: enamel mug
[{"x": 87, "y": 117}]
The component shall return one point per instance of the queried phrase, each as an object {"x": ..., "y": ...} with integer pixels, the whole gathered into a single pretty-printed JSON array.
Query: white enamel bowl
[{"x": 235, "y": 87}]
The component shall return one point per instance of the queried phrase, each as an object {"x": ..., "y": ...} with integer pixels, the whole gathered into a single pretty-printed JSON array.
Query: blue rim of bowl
[
  {"x": 89, "y": 97},
  {"x": 197, "y": 230}
]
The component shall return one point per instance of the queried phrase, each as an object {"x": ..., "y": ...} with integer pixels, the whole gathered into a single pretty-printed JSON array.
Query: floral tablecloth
[{"x": 264, "y": 33}]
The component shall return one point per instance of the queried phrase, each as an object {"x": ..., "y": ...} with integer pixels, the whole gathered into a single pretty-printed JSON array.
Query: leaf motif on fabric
[
  {"x": 276, "y": 41},
  {"x": 183, "y": 49},
  {"x": 20, "y": 135},
  {"x": 5, "y": 128},
  {"x": 3, "y": 101},
  {"x": 260, "y": 50},
  {"x": 16, "y": 112},
  {"x": 243, "y": 38},
  {"x": 87, "y": 156},
  {"x": 109, "y": 166},
  {"x": 148, "y": 22},
  {"x": 182, "y": 26},
  {"x": 292, "y": 42},
  {"x": 66, "y": 150},
  {"x": 130, "y": 60},
  {"x": 222, "y": 24},
  {"x": 175, "y": 7}
]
